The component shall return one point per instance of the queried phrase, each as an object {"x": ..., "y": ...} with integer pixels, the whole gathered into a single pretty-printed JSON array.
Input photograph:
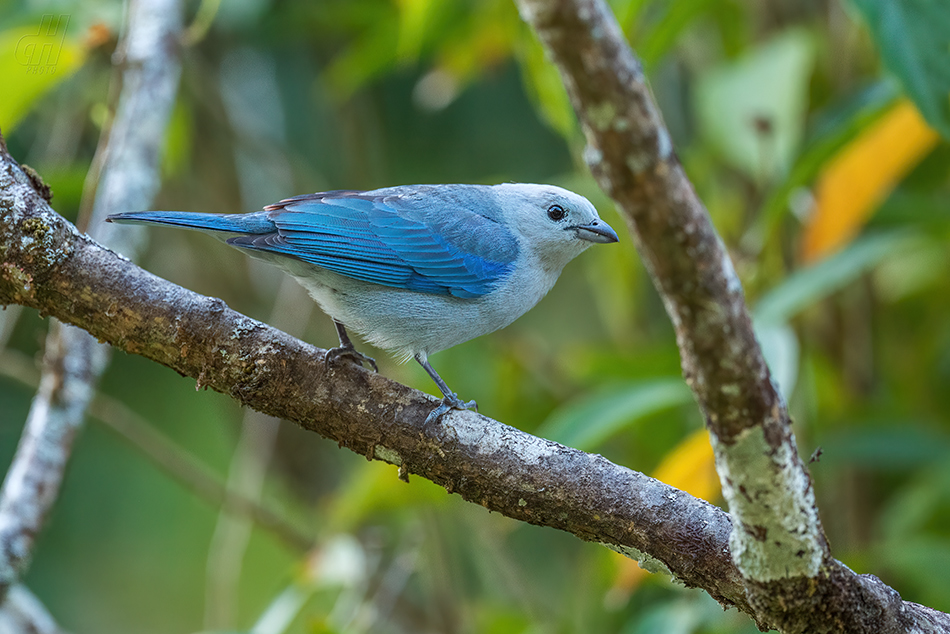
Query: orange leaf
[
  {"x": 859, "y": 178},
  {"x": 691, "y": 467}
]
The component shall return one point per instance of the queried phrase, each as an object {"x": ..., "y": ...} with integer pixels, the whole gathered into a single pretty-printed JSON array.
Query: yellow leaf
[
  {"x": 33, "y": 60},
  {"x": 860, "y": 177},
  {"x": 629, "y": 577},
  {"x": 414, "y": 18},
  {"x": 691, "y": 467},
  {"x": 374, "y": 487}
]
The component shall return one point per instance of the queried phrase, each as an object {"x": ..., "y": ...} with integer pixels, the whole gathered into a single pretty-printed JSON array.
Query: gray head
[{"x": 555, "y": 223}]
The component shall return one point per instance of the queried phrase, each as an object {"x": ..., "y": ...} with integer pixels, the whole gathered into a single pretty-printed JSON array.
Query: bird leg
[
  {"x": 450, "y": 399},
  {"x": 347, "y": 349}
]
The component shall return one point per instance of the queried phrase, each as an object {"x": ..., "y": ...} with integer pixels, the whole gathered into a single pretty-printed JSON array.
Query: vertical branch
[
  {"x": 74, "y": 360},
  {"x": 777, "y": 541},
  {"x": 23, "y": 612},
  {"x": 484, "y": 461}
]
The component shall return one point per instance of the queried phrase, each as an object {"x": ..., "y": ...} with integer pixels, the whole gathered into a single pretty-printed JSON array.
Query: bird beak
[{"x": 597, "y": 231}]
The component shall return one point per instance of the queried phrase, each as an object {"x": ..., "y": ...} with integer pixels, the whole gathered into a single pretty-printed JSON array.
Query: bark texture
[
  {"x": 47, "y": 265},
  {"x": 777, "y": 541},
  {"x": 773, "y": 564}
]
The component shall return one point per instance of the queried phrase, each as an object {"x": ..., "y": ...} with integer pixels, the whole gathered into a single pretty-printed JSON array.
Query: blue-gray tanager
[{"x": 418, "y": 268}]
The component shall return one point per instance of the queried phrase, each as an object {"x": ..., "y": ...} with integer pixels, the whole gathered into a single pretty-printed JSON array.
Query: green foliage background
[{"x": 282, "y": 98}]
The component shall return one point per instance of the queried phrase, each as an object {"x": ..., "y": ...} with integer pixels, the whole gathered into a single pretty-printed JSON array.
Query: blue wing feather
[{"x": 439, "y": 242}]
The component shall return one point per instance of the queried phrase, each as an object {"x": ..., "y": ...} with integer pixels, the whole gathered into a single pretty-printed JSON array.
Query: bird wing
[{"x": 416, "y": 243}]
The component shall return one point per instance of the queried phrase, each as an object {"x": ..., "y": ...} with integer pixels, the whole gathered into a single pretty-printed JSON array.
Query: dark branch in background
[
  {"x": 74, "y": 360},
  {"x": 194, "y": 474},
  {"x": 777, "y": 542},
  {"x": 47, "y": 265}
]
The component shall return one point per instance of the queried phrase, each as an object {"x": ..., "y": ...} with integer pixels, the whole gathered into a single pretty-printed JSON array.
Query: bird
[{"x": 414, "y": 269}]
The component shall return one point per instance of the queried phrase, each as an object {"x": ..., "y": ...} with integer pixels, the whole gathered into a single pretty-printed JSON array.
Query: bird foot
[
  {"x": 351, "y": 353},
  {"x": 451, "y": 401}
]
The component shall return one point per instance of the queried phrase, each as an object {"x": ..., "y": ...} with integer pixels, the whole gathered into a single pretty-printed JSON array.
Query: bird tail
[{"x": 252, "y": 223}]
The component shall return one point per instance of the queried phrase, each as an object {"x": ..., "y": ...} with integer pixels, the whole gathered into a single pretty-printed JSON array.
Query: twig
[
  {"x": 32, "y": 482},
  {"x": 193, "y": 473},
  {"x": 169, "y": 457},
  {"x": 22, "y": 613},
  {"x": 74, "y": 361},
  {"x": 8, "y": 320}
]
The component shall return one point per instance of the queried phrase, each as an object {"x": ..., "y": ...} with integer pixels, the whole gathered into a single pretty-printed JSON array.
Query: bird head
[{"x": 558, "y": 225}]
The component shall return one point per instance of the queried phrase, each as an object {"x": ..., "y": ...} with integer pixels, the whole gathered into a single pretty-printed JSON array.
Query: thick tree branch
[
  {"x": 46, "y": 264},
  {"x": 74, "y": 361},
  {"x": 777, "y": 541}
]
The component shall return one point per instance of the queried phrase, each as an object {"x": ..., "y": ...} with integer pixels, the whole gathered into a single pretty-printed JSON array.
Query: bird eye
[{"x": 556, "y": 212}]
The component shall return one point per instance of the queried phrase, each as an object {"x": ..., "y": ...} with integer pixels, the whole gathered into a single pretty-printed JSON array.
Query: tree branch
[
  {"x": 74, "y": 361},
  {"x": 777, "y": 541},
  {"x": 175, "y": 461},
  {"x": 23, "y": 612},
  {"x": 46, "y": 264}
]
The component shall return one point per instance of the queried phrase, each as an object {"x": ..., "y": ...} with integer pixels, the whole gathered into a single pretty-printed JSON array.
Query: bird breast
[{"x": 408, "y": 322}]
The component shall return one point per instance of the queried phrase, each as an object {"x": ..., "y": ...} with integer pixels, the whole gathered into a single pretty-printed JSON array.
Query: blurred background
[{"x": 812, "y": 131}]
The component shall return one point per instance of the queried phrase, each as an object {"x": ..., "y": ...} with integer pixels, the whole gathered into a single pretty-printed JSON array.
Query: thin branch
[
  {"x": 193, "y": 473},
  {"x": 8, "y": 320},
  {"x": 22, "y": 613},
  {"x": 777, "y": 541},
  {"x": 172, "y": 459},
  {"x": 74, "y": 360},
  {"x": 232, "y": 532}
]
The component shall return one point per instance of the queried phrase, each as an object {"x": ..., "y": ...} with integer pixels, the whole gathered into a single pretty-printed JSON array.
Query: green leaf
[
  {"x": 903, "y": 445},
  {"x": 922, "y": 565},
  {"x": 414, "y": 19},
  {"x": 807, "y": 286},
  {"x": 781, "y": 351},
  {"x": 627, "y": 12},
  {"x": 545, "y": 88},
  {"x": 32, "y": 61},
  {"x": 588, "y": 421},
  {"x": 663, "y": 35},
  {"x": 912, "y": 36},
  {"x": 369, "y": 56},
  {"x": 753, "y": 110}
]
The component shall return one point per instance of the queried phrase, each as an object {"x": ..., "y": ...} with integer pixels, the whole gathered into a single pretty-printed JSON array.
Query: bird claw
[
  {"x": 350, "y": 353},
  {"x": 451, "y": 401}
]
